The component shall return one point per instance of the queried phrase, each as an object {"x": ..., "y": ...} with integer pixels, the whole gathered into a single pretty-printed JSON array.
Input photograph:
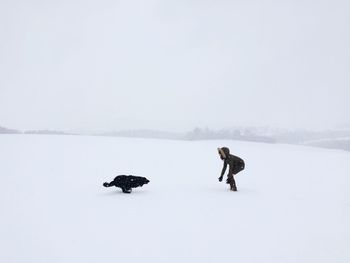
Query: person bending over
[{"x": 235, "y": 164}]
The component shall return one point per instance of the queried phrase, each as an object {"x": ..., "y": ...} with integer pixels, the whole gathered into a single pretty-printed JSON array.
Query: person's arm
[{"x": 223, "y": 171}]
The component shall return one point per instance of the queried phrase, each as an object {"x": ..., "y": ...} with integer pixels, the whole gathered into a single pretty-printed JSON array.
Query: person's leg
[
  {"x": 235, "y": 171},
  {"x": 231, "y": 181},
  {"x": 233, "y": 186}
]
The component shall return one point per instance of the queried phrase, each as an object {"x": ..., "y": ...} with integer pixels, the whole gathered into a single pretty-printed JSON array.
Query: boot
[{"x": 233, "y": 187}]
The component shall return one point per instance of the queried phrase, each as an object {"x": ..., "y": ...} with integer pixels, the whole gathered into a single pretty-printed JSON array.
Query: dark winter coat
[{"x": 235, "y": 163}]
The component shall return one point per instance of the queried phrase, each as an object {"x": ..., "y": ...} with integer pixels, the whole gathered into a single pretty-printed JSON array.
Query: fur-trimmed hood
[{"x": 224, "y": 152}]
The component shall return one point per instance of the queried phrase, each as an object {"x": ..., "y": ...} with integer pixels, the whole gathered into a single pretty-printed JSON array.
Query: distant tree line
[
  {"x": 4, "y": 130},
  {"x": 144, "y": 133},
  {"x": 8, "y": 131},
  {"x": 335, "y": 139},
  {"x": 48, "y": 132},
  {"x": 227, "y": 134}
]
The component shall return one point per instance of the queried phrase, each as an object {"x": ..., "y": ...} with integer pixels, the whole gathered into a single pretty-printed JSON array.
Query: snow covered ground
[{"x": 293, "y": 203}]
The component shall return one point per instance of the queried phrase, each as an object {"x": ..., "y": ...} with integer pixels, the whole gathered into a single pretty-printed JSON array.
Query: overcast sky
[{"x": 173, "y": 65}]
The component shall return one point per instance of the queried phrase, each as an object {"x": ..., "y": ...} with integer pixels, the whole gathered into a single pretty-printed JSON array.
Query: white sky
[{"x": 110, "y": 64}]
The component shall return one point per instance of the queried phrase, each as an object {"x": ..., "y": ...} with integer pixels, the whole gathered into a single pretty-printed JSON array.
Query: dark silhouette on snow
[
  {"x": 235, "y": 163},
  {"x": 127, "y": 182}
]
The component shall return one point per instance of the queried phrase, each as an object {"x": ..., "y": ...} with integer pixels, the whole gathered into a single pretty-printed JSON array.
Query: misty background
[{"x": 257, "y": 70}]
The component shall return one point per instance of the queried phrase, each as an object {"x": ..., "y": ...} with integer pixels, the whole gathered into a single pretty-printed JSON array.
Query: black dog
[{"x": 127, "y": 182}]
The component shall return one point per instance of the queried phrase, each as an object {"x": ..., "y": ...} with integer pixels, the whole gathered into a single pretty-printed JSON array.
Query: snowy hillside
[{"x": 292, "y": 204}]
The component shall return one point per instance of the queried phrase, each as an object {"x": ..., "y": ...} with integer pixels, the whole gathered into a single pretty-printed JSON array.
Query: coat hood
[{"x": 224, "y": 152}]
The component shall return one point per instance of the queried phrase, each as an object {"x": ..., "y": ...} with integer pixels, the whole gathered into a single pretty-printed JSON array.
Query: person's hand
[{"x": 220, "y": 178}]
